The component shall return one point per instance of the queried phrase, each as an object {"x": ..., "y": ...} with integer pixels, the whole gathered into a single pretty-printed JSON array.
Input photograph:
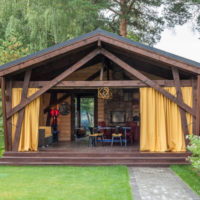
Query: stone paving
[{"x": 158, "y": 184}]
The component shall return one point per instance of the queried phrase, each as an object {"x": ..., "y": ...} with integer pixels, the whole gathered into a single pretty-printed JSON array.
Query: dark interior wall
[{"x": 122, "y": 100}]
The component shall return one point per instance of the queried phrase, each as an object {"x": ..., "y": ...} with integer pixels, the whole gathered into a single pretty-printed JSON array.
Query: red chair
[
  {"x": 130, "y": 133},
  {"x": 107, "y": 133}
]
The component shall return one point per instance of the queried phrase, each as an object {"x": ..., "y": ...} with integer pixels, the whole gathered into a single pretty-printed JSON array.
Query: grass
[
  {"x": 188, "y": 175},
  {"x": 63, "y": 183}
]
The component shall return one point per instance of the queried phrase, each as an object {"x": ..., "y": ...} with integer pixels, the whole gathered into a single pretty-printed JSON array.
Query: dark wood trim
[
  {"x": 21, "y": 112},
  {"x": 147, "y": 81},
  {"x": 79, "y": 111},
  {"x": 41, "y": 58},
  {"x": 95, "y": 84},
  {"x": 151, "y": 55},
  {"x": 194, "y": 103},
  {"x": 109, "y": 40},
  {"x": 72, "y": 116},
  {"x": 184, "y": 124},
  {"x": 54, "y": 82},
  {"x": 8, "y": 109},
  {"x": 101, "y": 72},
  {"x": 198, "y": 107},
  {"x": 3, "y": 96}
]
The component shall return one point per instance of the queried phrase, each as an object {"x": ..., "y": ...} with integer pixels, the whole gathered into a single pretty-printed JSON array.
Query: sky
[{"x": 181, "y": 41}]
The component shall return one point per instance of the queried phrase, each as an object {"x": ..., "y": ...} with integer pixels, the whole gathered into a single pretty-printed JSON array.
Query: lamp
[{"x": 104, "y": 93}]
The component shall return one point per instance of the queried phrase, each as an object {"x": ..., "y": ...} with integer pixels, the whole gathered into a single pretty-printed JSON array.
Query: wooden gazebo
[{"x": 82, "y": 65}]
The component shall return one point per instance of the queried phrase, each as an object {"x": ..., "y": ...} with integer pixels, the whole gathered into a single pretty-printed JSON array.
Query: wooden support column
[
  {"x": 3, "y": 95},
  {"x": 8, "y": 109},
  {"x": 184, "y": 124},
  {"x": 194, "y": 104},
  {"x": 72, "y": 117},
  {"x": 198, "y": 106},
  {"x": 147, "y": 81},
  {"x": 21, "y": 112}
]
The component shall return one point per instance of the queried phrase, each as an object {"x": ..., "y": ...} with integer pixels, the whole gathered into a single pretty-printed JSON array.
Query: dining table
[{"x": 125, "y": 128}]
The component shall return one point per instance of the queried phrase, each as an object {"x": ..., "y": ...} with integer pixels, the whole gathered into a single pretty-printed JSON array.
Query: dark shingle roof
[{"x": 93, "y": 33}]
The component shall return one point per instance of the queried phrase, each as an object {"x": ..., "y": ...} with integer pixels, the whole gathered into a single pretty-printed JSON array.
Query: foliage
[
  {"x": 87, "y": 107},
  {"x": 62, "y": 182},
  {"x": 41, "y": 24},
  {"x": 194, "y": 147},
  {"x": 188, "y": 175},
  {"x": 11, "y": 49}
]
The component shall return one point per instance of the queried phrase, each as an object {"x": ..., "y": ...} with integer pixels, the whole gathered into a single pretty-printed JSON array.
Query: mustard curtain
[
  {"x": 30, "y": 124},
  {"x": 161, "y": 128}
]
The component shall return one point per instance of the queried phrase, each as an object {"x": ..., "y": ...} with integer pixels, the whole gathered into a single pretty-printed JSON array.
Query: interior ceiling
[{"x": 53, "y": 67}]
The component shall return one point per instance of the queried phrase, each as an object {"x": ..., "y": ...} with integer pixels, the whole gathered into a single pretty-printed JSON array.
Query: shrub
[{"x": 194, "y": 147}]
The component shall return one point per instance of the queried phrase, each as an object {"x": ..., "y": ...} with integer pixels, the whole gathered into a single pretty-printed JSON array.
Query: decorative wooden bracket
[{"x": 147, "y": 81}]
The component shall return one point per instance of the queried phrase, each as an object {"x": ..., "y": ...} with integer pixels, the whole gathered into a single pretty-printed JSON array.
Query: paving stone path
[{"x": 158, "y": 184}]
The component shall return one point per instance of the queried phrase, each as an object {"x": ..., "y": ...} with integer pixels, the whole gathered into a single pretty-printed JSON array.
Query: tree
[{"x": 11, "y": 49}]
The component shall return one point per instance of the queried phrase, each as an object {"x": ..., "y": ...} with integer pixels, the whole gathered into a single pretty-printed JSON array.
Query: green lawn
[
  {"x": 188, "y": 175},
  {"x": 63, "y": 183}
]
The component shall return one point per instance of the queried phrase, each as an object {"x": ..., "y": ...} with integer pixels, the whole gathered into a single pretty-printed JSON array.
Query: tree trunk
[{"x": 123, "y": 20}]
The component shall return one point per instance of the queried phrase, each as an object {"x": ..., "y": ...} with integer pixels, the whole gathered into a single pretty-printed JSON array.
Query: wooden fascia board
[
  {"x": 148, "y": 53},
  {"x": 51, "y": 54}
]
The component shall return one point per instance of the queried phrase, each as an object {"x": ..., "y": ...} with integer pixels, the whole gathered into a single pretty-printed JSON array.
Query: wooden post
[
  {"x": 21, "y": 112},
  {"x": 198, "y": 106},
  {"x": 194, "y": 104},
  {"x": 8, "y": 109},
  {"x": 3, "y": 95},
  {"x": 184, "y": 124},
  {"x": 72, "y": 116}
]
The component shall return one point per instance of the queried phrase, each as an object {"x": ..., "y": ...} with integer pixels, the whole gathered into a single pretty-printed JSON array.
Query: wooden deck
[{"x": 82, "y": 155}]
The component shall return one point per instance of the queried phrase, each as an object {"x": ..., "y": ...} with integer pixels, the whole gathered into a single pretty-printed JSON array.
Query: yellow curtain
[
  {"x": 30, "y": 125},
  {"x": 161, "y": 128}
]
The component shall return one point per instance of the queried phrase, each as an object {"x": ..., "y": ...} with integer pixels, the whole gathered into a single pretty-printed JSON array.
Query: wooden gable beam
[
  {"x": 152, "y": 55},
  {"x": 49, "y": 55},
  {"x": 146, "y": 80},
  {"x": 54, "y": 82},
  {"x": 184, "y": 124},
  {"x": 21, "y": 112}
]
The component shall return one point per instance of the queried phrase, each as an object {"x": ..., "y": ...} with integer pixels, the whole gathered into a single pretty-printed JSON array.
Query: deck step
[
  {"x": 92, "y": 154},
  {"x": 139, "y": 164}
]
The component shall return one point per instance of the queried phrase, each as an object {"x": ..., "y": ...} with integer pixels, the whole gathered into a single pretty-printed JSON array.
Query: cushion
[{"x": 47, "y": 130}]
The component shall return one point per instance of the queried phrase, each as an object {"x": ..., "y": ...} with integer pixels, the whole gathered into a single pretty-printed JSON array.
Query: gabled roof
[{"x": 99, "y": 32}]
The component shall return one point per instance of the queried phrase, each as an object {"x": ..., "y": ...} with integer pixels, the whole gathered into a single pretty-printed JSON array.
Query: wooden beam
[
  {"x": 3, "y": 96},
  {"x": 198, "y": 107},
  {"x": 21, "y": 112},
  {"x": 146, "y": 80},
  {"x": 184, "y": 124},
  {"x": 151, "y": 55},
  {"x": 49, "y": 55},
  {"x": 8, "y": 109},
  {"x": 54, "y": 82},
  {"x": 87, "y": 83}
]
